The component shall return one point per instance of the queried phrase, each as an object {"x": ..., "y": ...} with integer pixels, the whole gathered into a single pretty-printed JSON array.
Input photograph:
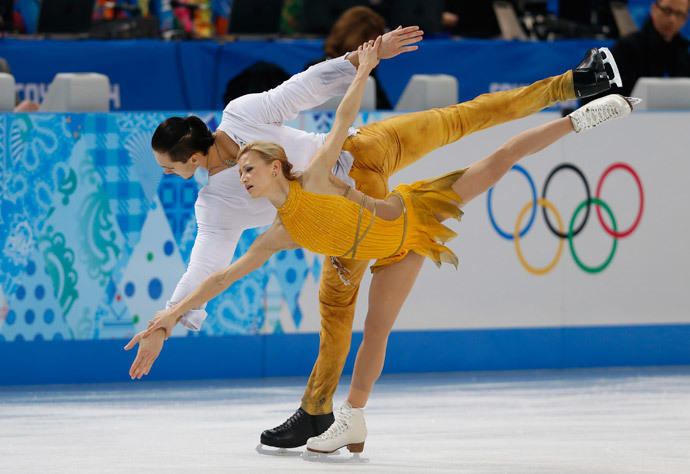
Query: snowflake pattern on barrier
[{"x": 77, "y": 192}]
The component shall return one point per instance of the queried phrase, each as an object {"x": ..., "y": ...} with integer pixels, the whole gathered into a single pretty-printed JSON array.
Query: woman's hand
[
  {"x": 368, "y": 54},
  {"x": 164, "y": 319}
]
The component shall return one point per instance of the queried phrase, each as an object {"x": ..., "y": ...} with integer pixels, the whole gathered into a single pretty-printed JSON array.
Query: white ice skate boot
[
  {"x": 602, "y": 110},
  {"x": 348, "y": 429}
]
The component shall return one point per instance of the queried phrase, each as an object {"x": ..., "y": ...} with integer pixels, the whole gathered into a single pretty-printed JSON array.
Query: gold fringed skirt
[{"x": 427, "y": 203}]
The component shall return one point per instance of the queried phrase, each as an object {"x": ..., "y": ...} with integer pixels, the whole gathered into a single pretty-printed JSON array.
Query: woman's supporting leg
[
  {"x": 387, "y": 293},
  {"x": 485, "y": 173}
]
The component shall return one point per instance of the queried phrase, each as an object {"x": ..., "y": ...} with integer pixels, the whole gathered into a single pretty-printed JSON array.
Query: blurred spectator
[
  {"x": 26, "y": 15},
  {"x": 290, "y": 17},
  {"x": 111, "y": 9},
  {"x": 356, "y": 26},
  {"x": 470, "y": 19},
  {"x": 221, "y": 15},
  {"x": 194, "y": 17},
  {"x": 658, "y": 49}
]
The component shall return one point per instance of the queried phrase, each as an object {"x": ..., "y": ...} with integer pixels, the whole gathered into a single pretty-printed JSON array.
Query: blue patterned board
[{"x": 94, "y": 237}]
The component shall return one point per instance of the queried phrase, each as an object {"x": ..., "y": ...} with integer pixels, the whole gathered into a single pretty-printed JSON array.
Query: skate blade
[
  {"x": 633, "y": 100},
  {"x": 608, "y": 59},
  {"x": 311, "y": 456},
  {"x": 284, "y": 452}
]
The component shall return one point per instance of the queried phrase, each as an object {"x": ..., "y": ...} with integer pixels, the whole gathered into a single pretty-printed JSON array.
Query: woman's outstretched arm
[
  {"x": 273, "y": 240},
  {"x": 151, "y": 340},
  {"x": 323, "y": 161}
]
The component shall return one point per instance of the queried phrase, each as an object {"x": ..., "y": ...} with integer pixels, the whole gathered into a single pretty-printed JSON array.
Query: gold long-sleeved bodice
[{"x": 336, "y": 226}]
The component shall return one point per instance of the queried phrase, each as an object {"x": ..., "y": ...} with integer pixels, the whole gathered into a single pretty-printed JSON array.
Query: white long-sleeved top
[{"x": 223, "y": 207}]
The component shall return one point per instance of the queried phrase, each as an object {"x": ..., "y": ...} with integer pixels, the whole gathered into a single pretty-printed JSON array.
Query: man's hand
[
  {"x": 399, "y": 41},
  {"x": 149, "y": 348}
]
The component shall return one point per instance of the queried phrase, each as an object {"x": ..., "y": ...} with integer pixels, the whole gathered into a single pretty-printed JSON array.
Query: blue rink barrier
[
  {"x": 51, "y": 362},
  {"x": 94, "y": 238},
  {"x": 158, "y": 75}
]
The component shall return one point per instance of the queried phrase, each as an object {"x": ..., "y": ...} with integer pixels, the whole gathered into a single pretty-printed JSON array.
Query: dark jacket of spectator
[{"x": 645, "y": 54}]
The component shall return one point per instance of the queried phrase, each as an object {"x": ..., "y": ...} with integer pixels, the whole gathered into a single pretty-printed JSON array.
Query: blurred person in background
[
  {"x": 290, "y": 17},
  {"x": 658, "y": 49},
  {"x": 356, "y": 26}
]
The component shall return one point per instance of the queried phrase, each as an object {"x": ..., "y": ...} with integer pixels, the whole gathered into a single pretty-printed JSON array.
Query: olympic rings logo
[{"x": 559, "y": 229}]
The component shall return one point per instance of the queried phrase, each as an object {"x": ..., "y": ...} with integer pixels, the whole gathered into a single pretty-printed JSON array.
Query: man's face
[
  {"x": 669, "y": 17},
  {"x": 183, "y": 170}
]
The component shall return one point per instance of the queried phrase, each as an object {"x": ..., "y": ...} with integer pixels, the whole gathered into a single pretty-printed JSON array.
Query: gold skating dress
[{"x": 336, "y": 226}]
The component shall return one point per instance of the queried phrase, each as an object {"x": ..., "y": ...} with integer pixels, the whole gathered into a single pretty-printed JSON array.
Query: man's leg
[
  {"x": 392, "y": 144},
  {"x": 337, "y": 305}
]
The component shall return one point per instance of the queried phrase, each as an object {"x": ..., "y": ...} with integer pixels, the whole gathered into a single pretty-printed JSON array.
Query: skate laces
[
  {"x": 293, "y": 420},
  {"x": 339, "y": 426},
  {"x": 600, "y": 111},
  {"x": 600, "y": 114}
]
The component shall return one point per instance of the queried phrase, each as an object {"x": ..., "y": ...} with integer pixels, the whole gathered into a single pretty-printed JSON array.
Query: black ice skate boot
[
  {"x": 591, "y": 78},
  {"x": 295, "y": 431}
]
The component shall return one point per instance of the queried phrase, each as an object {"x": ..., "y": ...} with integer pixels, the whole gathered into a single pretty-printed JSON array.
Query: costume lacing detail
[{"x": 342, "y": 271}]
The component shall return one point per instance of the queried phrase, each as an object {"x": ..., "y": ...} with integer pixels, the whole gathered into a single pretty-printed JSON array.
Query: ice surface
[{"x": 608, "y": 420}]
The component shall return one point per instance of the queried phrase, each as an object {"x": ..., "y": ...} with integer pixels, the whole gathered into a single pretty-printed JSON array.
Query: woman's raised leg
[{"x": 485, "y": 173}]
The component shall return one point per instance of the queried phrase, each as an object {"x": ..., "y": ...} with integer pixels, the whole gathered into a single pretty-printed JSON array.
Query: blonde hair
[{"x": 270, "y": 152}]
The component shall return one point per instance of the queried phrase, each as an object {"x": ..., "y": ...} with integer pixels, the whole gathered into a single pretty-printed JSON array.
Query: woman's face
[{"x": 256, "y": 175}]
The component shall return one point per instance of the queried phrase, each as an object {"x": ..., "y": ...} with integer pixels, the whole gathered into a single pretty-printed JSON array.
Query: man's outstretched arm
[
  {"x": 317, "y": 84},
  {"x": 276, "y": 238},
  {"x": 213, "y": 250}
]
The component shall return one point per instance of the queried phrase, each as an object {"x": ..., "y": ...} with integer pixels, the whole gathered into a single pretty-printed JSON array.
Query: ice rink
[{"x": 608, "y": 420}]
